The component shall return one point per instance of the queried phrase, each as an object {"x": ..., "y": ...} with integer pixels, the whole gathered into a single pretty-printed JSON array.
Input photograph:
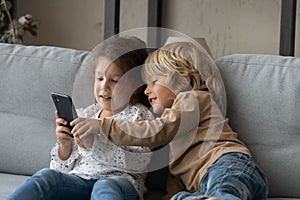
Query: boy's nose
[{"x": 147, "y": 91}]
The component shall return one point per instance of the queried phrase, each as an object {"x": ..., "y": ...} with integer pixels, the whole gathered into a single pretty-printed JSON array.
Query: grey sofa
[{"x": 263, "y": 94}]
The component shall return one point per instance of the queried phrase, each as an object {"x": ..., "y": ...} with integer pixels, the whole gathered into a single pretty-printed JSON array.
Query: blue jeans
[
  {"x": 48, "y": 184},
  {"x": 233, "y": 176}
]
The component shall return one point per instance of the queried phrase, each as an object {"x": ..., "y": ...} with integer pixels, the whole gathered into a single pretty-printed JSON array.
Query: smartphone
[{"x": 65, "y": 107}]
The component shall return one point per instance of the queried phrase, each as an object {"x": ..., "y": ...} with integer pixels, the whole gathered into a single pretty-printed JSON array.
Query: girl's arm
[
  {"x": 62, "y": 159},
  {"x": 62, "y": 154},
  {"x": 63, "y": 165}
]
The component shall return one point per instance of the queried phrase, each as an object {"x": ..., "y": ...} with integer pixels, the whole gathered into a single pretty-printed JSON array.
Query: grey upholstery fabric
[
  {"x": 27, "y": 121},
  {"x": 9, "y": 182},
  {"x": 263, "y": 98}
]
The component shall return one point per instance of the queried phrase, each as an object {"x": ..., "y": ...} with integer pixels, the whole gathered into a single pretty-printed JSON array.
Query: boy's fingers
[
  {"x": 76, "y": 134},
  {"x": 79, "y": 142},
  {"x": 76, "y": 121},
  {"x": 77, "y": 126}
]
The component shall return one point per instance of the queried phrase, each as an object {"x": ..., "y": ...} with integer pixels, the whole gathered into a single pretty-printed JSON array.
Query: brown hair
[{"x": 128, "y": 53}]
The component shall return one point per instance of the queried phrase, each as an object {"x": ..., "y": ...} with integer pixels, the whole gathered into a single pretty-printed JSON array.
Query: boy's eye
[
  {"x": 153, "y": 82},
  {"x": 100, "y": 79},
  {"x": 115, "y": 81}
]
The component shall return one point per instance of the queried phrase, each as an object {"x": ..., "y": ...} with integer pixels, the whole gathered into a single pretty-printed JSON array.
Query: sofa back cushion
[
  {"x": 28, "y": 74},
  {"x": 263, "y": 106}
]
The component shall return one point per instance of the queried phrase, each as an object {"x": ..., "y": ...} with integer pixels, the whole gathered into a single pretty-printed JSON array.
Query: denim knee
[
  {"x": 47, "y": 175},
  {"x": 46, "y": 172},
  {"x": 113, "y": 187},
  {"x": 39, "y": 186}
]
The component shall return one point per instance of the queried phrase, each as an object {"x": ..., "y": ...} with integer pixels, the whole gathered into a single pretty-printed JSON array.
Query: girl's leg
[
  {"x": 114, "y": 188},
  {"x": 48, "y": 184},
  {"x": 234, "y": 176}
]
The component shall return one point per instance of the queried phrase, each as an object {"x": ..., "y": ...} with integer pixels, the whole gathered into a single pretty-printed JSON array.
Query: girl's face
[
  {"x": 107, "y": 76},
  {"x": 159, "y": 95}
]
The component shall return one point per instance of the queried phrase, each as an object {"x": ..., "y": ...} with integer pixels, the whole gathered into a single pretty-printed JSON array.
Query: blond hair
[
  {"x": 171, "y": 57},
  {"x": 187, "y": 60}
]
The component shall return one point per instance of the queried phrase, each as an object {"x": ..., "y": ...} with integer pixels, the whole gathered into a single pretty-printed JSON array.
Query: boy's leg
[
  {"x": 234, "y": 176},
  {"x": 114, "y": 187},
  {"x": 50, "y": 184}
]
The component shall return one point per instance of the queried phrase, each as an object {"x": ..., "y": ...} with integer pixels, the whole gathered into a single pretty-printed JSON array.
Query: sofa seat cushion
[
  {"x": 21, "y": 152},
  {"x": 9, "y": 183}
]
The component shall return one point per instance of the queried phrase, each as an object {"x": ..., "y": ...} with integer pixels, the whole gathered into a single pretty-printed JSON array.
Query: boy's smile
[
  {"x": 159, "y": 96},
  {"x": 152, "y": 100}
]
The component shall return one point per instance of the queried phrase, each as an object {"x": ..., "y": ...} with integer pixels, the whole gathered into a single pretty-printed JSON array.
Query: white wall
[
  {"x": 229, "y": 26},
  {"x": 133, "y": 14},
  {"x": 65, "y": 23}
]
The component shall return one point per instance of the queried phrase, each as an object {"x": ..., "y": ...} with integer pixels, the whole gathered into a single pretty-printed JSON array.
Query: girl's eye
[
  {"x": 114, "y": 81},
  {"x": 100, "y": 79}
]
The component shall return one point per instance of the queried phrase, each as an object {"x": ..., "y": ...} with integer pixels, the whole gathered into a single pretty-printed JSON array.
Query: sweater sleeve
[
  {"x": 176, "y": 121},
  {"x": 63, "y": 165}
]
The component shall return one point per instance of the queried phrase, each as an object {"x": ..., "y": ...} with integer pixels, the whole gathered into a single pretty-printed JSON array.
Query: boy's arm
[{"x": 178, "y": 120}]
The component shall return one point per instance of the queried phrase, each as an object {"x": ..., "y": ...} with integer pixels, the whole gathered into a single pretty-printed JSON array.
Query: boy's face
[
  {"x": 159, "y": 95},
  {"x": 107, "y": 76}
]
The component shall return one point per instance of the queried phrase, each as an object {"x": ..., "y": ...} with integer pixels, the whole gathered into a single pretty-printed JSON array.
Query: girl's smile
[{"x": 104, "y": 98}]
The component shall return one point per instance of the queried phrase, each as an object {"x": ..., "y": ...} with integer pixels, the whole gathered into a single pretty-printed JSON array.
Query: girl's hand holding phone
[
  {"x": 64, "y": 137},
  {"x": 63, "y": 133}
]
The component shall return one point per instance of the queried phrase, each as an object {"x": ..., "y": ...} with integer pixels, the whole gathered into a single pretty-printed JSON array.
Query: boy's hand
[{"x": 84, "y": 130}]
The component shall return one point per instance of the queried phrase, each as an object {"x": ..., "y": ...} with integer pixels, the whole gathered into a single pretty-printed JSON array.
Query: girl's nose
[{"x": 104, "y": 85}]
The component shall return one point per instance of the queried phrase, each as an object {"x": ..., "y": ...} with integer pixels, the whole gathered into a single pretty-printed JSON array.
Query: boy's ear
[{"x": 188, "y": 78}]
